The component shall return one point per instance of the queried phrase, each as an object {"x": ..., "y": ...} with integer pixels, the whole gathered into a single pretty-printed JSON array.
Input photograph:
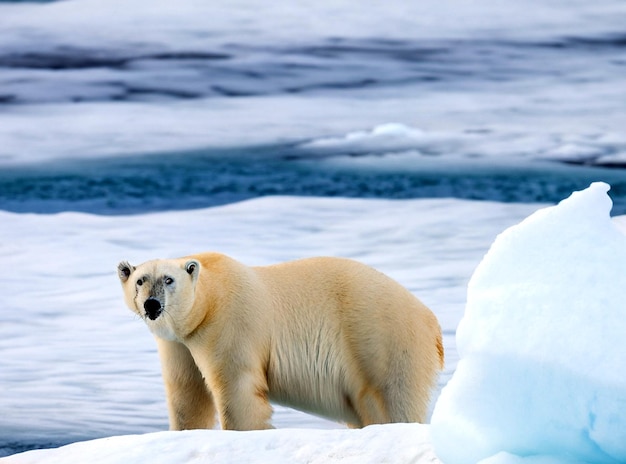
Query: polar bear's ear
[
  {"x": 124, "y": 270},
  {"x": 193, "y": 268}
]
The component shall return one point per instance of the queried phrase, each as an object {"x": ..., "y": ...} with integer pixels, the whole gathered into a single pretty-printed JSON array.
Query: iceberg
[{"x": 542, "y": 372}]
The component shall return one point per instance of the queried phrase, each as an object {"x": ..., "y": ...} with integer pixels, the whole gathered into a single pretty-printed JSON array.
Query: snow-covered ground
[
  {"x": 540, "y": 377},
  {"x": 397, "y": 443},
  {"x": 86, "y": 367}
]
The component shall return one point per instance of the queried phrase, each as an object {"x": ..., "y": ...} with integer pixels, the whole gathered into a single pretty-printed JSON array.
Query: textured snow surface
[{"x": 396, "y": 443}]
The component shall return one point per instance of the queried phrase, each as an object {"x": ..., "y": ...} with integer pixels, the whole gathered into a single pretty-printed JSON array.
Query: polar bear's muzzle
[{"x": 153, "y": 308}]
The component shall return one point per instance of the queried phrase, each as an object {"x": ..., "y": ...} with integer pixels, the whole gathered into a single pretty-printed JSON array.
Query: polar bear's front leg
[
  {"x": 189, "y": 402},
  {"x": 242, "y": 401}
]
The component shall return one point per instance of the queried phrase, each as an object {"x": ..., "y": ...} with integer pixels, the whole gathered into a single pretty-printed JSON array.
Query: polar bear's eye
[
  {"x": 168, "y": 281},
  {"x": 140, "y": 282}
]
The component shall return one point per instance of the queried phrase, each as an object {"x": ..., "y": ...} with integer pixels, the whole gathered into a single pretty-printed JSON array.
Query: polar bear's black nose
[{"x": 153, "y": 308}]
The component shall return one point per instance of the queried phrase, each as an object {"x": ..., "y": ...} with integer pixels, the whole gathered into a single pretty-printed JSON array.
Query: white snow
[
  {"x": 541, "y": 371},
  {"x": 541, "y": 374},
  {"x": 397, "y": 443},
  {"x": 144, "y": 23},
  {"x": 456, "y": 123},
  {"x": 93, "y": 370}
]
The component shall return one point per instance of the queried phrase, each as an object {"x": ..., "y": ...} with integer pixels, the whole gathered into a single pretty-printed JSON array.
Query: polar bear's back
[{"x": 360, "y": 295}]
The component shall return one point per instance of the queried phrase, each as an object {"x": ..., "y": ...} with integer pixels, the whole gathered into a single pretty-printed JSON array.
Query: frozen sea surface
[
  {"x": 539, "y": 79},
  {"x": 124, "y": 107}
]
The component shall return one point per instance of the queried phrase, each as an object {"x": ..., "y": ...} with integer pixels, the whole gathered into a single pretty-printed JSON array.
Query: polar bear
[{"x": 329, "y": 336}]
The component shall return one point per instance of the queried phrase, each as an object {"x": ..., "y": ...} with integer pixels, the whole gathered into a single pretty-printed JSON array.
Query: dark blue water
[{"x": 174, "y": 181}]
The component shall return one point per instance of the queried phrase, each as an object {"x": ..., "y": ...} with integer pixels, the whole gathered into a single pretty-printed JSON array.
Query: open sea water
[
  {"x": 144, "y": 183},
  {"x": 554, "y": 69},
  {"x": 510, "y": 101}
]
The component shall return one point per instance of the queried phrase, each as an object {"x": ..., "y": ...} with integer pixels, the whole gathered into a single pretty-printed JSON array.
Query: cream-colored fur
[{"x": 329, "y": 336}]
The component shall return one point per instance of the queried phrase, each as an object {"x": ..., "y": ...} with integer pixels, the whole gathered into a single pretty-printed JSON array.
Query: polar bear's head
[{"x": 162, "y": 292}]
